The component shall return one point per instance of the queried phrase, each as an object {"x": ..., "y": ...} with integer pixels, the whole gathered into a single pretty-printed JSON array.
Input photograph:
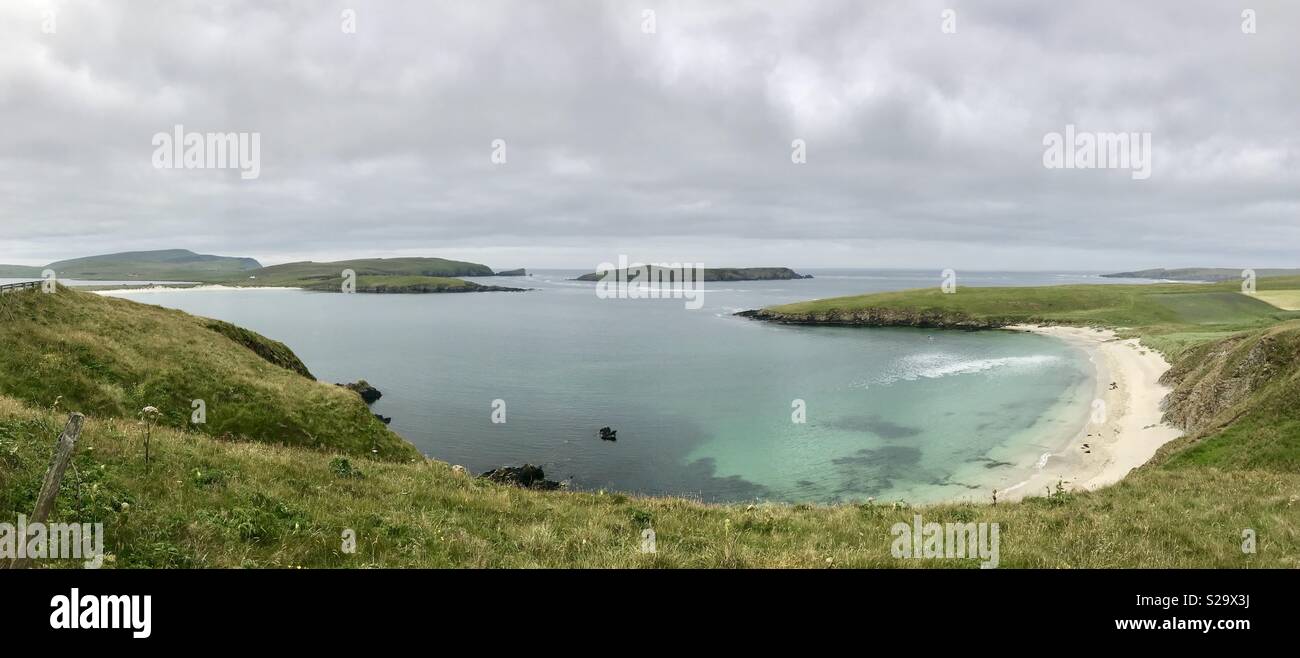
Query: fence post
[{"x": 54, "y": 477}]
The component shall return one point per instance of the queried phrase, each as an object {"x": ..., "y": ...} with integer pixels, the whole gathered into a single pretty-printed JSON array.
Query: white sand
[
  {"x": 157, "y": 289},
  {"x": 1132, "y": 431}
]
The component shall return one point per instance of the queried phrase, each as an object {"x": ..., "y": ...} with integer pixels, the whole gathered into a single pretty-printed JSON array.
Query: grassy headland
[
  {"x": 20, "y": 272},
  {"x": 162, "y": 265},
  {"x": 1168, "y": 317},
  {"x": 209, "y": 502},
  {"x": 110, "y": 357},
  {"x": 377, "y": 275}
]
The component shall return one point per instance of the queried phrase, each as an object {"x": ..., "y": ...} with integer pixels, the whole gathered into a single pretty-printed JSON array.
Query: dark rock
[
  {"x": 526, "y": 476},
  {"x": 365, "y": 390},
  {"x": 384, "y": 419},
  {"x": 607, "y": 434}
]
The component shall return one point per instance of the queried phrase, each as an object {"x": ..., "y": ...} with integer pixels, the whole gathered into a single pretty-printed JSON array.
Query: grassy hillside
[
  {"x": 164, "y": 265},
  {"x": 1169, "y": 317},
  {"x": 221, "y": 504},
  {"x": 111, "y": 358},
  {"x": 208, "y": 502},
  {"x": 1240, "y": 400},
  {"x": 20, "y": 272},
  {"x": 309, "y": 274}
]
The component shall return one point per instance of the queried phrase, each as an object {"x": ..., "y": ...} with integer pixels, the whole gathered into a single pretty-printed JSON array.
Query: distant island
[
  {"x": 161, "y": 265},
  {"x": 723, "y": 274},
  {"x": 373, "y": 275},
  {"x": 376, "y": 275},
  {"x": 1210, "y": 274}
]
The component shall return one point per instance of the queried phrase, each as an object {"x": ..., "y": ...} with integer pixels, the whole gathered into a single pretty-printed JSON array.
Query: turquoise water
[{"x": 702, "y": 400}]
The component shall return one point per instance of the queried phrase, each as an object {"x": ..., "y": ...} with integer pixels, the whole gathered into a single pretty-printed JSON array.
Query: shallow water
[{"x": 702, "y": 400}]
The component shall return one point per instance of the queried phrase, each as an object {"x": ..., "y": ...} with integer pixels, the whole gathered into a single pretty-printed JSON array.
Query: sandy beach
[
  {"x": 160, "y": 289},
  {"x": 1130, "y": 431}
]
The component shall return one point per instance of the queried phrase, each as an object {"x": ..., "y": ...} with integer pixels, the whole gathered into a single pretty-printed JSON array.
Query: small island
[{"x": 718, "y": 274}]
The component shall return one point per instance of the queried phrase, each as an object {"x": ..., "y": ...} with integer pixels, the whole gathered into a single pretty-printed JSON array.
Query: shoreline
[
  {"x": 109, "y": 292},
  {"x": 1101, "y": 454}
]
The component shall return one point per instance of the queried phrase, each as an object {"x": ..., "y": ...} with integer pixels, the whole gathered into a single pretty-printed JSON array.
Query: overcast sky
[{"x": 924, "y": 148}]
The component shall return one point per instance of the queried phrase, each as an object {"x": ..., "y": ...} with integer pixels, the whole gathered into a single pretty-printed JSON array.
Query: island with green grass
[
  {"x": 1170, "y": 317},
  {"x": 374, "y": 275},
  {"x": 183, "y": 269},
  {"x": 285, "y": 463},
  {"x": 160, "y": 265}
]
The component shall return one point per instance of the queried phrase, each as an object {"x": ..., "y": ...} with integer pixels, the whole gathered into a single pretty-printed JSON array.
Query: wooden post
[{"x": 54, "y": 477}]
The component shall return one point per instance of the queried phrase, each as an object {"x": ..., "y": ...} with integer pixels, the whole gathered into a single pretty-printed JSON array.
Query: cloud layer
[{"x": 924, "y": 149}]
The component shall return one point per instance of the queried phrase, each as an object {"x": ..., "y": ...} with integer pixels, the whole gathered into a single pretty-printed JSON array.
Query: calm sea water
[{"x": 702, "y": 401}]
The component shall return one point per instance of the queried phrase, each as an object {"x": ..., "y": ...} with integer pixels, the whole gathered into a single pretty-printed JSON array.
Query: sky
[{"x": 664, "y": 131}]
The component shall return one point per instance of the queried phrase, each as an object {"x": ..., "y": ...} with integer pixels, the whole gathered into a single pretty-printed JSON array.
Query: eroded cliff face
[
  {"x": 879, "y": 317},
  {"x": 1215, "y": 383}
]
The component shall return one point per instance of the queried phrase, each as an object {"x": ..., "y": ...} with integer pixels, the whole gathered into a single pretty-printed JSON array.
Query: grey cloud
[{"x": 925, "y": 149}]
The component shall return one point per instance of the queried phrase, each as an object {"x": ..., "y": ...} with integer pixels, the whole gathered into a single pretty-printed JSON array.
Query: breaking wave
[{"x": 938, "y": 365}]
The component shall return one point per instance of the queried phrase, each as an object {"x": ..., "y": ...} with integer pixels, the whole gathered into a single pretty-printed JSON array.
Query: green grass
[
  {"x": 111, "y": 358},
  {"x": 20, "y": 272},
  {"x": 394, "y": 283},
  {"x": 163, "y": 265},
  {"x": 1169, "y": 317},
  {"x": 1222, "y": 308},
  {"x": 1288, "y": 300},
  {"x": 309, "y": 274},
  {"x": 206, "y": 501}
]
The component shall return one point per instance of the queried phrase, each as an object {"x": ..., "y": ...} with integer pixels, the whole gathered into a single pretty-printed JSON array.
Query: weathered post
[{"x": 54, "y": 477}]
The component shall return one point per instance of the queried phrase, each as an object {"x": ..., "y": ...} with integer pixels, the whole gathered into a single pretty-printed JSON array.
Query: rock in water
[
  {"x": 365, "y": 390},
  {"x": 607, "y": 434},
  {"x": 526, "y": 476},
  {"x": 384, "y": 419}
]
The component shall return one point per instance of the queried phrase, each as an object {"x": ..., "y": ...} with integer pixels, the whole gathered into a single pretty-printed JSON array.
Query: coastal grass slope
[
  {"x": 374, "y": 275},
  {"x": 20, "y": 272},
  {"x": 206, "y": 503},
  {"x": 203, "y": 501},
  {"x": 111, "y": 358},
  {"x": 1168, "y": 317},
  {"x": 159, "y": 265},
  {"x": 308, "y": 273}
]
